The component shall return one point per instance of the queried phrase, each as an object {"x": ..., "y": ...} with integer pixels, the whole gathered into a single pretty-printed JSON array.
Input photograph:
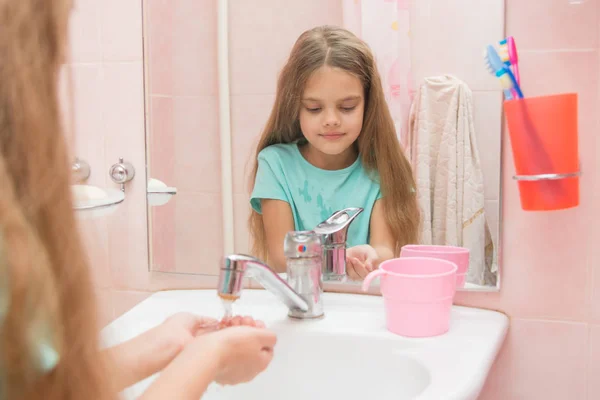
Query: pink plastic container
[
  {"x": 457, "y": 255},
  {"x": 417, "y": 294}
]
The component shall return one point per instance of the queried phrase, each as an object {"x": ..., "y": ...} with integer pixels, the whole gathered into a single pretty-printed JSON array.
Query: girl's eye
[
  {"x": 314, "y": 110},
  {"x": 348, "y": 108}
]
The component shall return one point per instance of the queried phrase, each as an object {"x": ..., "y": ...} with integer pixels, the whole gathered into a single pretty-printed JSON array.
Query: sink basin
[{"x": 348, "y": 354}]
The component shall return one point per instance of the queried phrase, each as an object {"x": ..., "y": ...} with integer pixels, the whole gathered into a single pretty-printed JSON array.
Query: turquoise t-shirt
[{"x": 313, "y": 193}]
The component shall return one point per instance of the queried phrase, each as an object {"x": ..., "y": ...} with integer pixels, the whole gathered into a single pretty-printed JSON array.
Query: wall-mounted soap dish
[
  {"x": 88, "y": 197},
  {"x": 159, "y": 193}
]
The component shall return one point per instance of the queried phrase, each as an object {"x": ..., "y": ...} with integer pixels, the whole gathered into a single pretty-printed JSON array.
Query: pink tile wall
[
  {"x": 183, "y": 132},
  {"x": 106, "y": 66},
  {"x": 550, "y": 263}
]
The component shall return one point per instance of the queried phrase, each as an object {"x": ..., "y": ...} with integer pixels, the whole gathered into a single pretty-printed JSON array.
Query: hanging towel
[{"x": 442, "y": 148}]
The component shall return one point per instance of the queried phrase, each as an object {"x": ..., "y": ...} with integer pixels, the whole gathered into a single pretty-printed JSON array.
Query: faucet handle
[
  {"x": 302, "y": 244},
  {"x": 335, "y": 231},
  {"x": 335, "y": 228}
]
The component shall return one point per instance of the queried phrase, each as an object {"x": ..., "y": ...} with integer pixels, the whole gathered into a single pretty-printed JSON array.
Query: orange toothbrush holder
[{"x": 544, "y": 140}]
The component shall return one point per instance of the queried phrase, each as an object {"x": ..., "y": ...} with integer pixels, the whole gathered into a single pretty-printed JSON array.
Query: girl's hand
[
  {"x": 360, "y": 261},
  {"x": 241, "y": 321},
  {"x": 183, "y": 327},
  {"x": 244, "y": 353},
  {"x": 153, "y": 350},
  {"x": 229, "y": 356}
]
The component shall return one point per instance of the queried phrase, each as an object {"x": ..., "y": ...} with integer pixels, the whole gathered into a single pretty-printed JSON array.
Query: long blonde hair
[
  {"x": 378, "y": 144},
  {"x": 45, "y": 287}
]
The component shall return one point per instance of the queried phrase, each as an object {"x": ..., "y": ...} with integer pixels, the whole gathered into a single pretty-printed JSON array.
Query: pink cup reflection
[{"x": 457, "y": 255}]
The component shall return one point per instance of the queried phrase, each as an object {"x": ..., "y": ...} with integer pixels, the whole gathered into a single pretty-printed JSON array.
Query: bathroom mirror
[{"x": 200, "y": 144}]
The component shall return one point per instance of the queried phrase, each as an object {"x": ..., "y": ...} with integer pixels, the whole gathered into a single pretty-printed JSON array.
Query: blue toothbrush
[{"x": 497, "y": 67}]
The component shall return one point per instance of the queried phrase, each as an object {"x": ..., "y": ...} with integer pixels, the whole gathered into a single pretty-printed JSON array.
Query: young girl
[
  {"x": 330, "y": 143},
  {"x": 49, "y": 344}
]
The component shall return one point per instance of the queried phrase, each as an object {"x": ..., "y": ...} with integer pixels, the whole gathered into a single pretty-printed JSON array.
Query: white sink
[{"x": 348, "y": 354}]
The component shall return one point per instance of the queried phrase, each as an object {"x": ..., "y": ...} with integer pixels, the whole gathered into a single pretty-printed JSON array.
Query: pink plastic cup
[
  {"x": 417, "y": 294},
  {"x": 457, "y": 255}
]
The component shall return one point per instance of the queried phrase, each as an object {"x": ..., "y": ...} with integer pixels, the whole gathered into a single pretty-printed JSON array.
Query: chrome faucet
[
  {"x": 234, "y": 271},
  {"x": 312, "y": 256},
  {"x": 335, "y": 232}
]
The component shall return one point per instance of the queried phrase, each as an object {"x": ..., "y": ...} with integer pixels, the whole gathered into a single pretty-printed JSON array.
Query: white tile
[
  {"x": 122, "y": 30},
  {"x": 449, "y": 37},
  {"x": 88, "y": 138},
  {"x": 260, "y": 42},
  {"x": 85, "y": 38},
  {"x": 123, "y": 102},
  {"x": 553, "y": 24}
]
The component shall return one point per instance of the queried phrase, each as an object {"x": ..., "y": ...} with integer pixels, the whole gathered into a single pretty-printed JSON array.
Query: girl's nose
[{"x": 331, "y": 119}]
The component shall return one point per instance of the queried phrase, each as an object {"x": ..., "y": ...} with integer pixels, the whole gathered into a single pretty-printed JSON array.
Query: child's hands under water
[
  {"x": 184, "y": 327},
  {"x": 241, "y": 346},
  {"x": 244, "y": 352},
  {"x": 360, "y": 261},
  {"x": 229, "y": 351},
  {"x": 241, "y": 321}
]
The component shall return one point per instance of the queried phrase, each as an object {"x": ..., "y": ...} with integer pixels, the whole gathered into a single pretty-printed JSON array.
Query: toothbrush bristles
[
  {"x": 488, "y": 65},
  {"x": 503, "y": 53}
]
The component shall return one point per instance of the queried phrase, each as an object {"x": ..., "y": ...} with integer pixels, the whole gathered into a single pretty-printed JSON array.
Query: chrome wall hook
[
  {"x": 80, "y": 170},
  {"x": 121, "y": 173}
]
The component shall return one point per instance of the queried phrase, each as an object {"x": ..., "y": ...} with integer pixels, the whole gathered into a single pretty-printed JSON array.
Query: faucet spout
[{"x": 234, "y": 270}]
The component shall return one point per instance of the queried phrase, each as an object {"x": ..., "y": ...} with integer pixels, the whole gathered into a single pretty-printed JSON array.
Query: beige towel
[{"x": 443, "y": 151}]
